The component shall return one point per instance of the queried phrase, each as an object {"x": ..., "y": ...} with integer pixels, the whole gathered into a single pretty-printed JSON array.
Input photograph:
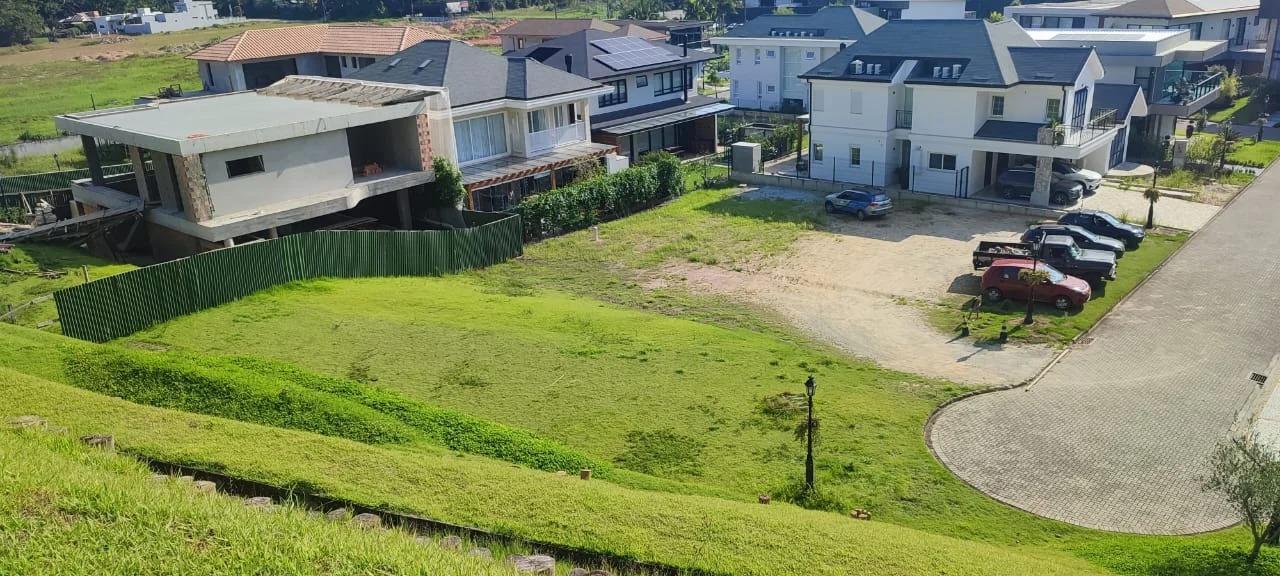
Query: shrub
[
  {"x": 182, "y": 383},
  {"x": 447, "y": 191},
  {"x": 583, "y": 204}
]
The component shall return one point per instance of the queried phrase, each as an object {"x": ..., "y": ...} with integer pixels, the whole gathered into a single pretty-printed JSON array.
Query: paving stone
[{"x": 1116, "y": 436}]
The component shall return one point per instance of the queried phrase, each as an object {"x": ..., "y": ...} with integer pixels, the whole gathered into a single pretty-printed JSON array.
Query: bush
[
  {"x": 447, "y": 191},
  {"x": 182, "y": 383},
  {"x": 590, "y": 202}
]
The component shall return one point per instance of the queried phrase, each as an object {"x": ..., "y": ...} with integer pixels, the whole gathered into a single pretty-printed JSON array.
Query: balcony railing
[
  {"x": 903, "y": 119},
  {"x": 552, "y": 137},
  {"x": 1183, "y": 88},
  {"x": 1102, "y": 121}
]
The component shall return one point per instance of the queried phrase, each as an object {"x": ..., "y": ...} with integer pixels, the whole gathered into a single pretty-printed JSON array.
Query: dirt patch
[
  {"x": 112, "y": 56},
  {"x": 853, "y": 285}
]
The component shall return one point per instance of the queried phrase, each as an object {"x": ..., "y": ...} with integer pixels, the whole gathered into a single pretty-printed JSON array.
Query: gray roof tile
[
  {"x": 579, "y": 46},
  {"x": 836, "y": 22}
]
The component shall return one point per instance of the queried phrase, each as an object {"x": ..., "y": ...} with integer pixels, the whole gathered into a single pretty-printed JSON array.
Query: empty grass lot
[
  {"x": 67, "y": 509},
  {"x": 565, "y": 343},
  {"x": 19, "y": 285},
  {"x": 1052, "y": 325}
]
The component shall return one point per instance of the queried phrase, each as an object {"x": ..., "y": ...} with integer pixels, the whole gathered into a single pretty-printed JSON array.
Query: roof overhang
[
  {"x": 824, "y": 42},
  {"x": 508, "y": 169},
  {"x": 1200, "y": 50},
  {"x": 660, "y": 120}
]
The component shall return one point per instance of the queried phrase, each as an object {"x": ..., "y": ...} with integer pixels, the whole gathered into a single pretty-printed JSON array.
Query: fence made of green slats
[
  {"x": 120, "y": 305},
  {"x": 55, "y": 180}
]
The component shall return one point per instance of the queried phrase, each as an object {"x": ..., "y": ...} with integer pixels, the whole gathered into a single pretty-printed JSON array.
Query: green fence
[
  {"x": 120, "y": 305},
  {"x": 55, "y": 180}
]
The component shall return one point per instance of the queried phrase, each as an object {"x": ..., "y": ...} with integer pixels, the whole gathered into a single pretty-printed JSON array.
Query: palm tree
[
  {"x": 1226, "y": 140},
  {"x": 1152, "y": 195},
  {"x": 1032, "y": 277}
]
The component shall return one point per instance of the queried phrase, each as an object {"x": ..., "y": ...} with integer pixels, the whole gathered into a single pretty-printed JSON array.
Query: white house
[
  {"x": 915, "y": 9},
  {"x": 186, "y": 15},
  {"x": 258, "y": 58},
  {"x": 228, "y": 168},
  {"x": 653, "y": 103},
  {"x": 1161, "y": 62},
  {"x": 529, "y": 32},
  {"x": 947, "y": 115},
  {"x": 518, "y": 124},
  {"x": 1235, "y": 22}
]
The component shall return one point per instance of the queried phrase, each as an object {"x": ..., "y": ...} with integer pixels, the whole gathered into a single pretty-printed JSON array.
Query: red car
[{"x": 1064, "y": 292}]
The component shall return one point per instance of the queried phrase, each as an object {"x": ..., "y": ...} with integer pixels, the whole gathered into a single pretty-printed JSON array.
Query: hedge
[{"x": 655, "y": 178}]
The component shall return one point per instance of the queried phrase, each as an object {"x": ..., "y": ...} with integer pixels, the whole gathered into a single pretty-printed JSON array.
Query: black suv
[
  {"x": 1105, "y": 224},
  {"x": 1019, "y": 182}
]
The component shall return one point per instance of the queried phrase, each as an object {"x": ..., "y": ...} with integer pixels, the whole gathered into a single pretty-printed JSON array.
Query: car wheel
[
  {"x": 994, "y": 294},
  {"x": 1062, "y": 303},
  {"x": 1059, "y": 199},
  {"x": 831, "y": 208},
  {"x": 862, "y": 215},
  {"x": 1131, "y": 245}
]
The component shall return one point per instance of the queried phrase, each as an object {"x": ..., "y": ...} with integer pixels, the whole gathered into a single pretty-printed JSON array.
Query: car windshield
[
  {"x": 880, "y": 198},
  {"x": 1054, "y": 275},
  {"x": 1074, "y": 250}
]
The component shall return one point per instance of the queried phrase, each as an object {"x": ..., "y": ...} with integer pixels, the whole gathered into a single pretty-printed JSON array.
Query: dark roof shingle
[
  {"x": 836, "y": 22},
  {"x": 579, "y": 46}
]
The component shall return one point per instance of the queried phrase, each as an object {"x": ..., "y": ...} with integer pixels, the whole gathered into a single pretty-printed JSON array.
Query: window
[
  {"x": 618, "y": 96},
  {"x": 942, "y": 161},
  {"x": 810, "y": 54},
  {"x": 1052, "y": 109},
  {"x": 519, "y": 42},
  {"x": 759, "y": 88},
  {"x": 1077, "y": 22},
  {"x": 855, "y": 102},
  {"x": 735, "y": 86},
  {"x": 997, "y": 106},
  {"x": 1194, "y": 27},
  {"x": 642, "y": 81},
  {"x": 481, "y": 137},
  {"x": 757, "y": 57},
  {"x": 817, "y": 152},
  {"x": 737, "y": 55},
  {"x": 855, "y": 156},
  {"x": 819, "y": 100},
  {"x": 1052, "y": 22},
  {"x": 244, "y": 166},
  {"x": 770, "y": 88},
  {"x": 771, "y": 53},
  {"x": 344, "y": 62},
  {"x": 361, "y": 62},
  {"x": 668, "y": 82}
]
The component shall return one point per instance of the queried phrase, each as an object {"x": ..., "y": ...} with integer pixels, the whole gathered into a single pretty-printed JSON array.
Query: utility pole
[{"x": 809, "y": 387}]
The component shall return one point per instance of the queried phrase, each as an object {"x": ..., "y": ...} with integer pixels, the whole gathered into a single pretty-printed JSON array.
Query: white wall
[
  {"x": 295, "y": 168},
  {"x": 225, "y": 76},
  {"x": 934, "y": 10},
  {"x": 749, "y": 83}
]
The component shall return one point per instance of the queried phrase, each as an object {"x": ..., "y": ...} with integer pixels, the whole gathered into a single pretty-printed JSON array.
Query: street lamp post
[{"x": 809, "y": 387}]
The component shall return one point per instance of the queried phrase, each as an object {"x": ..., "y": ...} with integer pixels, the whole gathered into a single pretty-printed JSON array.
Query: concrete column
[
  {"x": 91, "y": 156},
  {"x": 1044, "y": 177},
  {"x": 229, "y": 243},
  {"x": 165, "y": 183},
  {"x": 272, "y": 233},
  {"x": 402, "y": 206},
  {"x": 140, "y": 175},
  {"x": 424, "y": 141},
  {"x": 193, "y": 188}
]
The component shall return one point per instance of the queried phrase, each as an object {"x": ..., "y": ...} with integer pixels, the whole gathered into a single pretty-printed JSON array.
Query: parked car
[
  {"x": 1084, "y": 238},
  {"x": 1063, "y": 170},
  {"x": 1060, "y": 252},
  {"x": 1019, "y": 182},
  {"x": 860, "y": 203},
  {"x": 1105, "y": 224},
  {"x": 1065, "y": 292}
]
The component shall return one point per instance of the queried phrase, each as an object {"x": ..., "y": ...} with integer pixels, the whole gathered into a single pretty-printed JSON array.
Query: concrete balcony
[{"x": 1186, "y": 93}]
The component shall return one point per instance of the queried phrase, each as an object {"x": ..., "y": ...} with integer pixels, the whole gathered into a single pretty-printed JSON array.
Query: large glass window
[
  {"x": 669, "y": 82},
  {"x": 618, "y": 96},
  {"x": 942, "y": 161},
  {"x": 481, "y": 137},
  {"x": 997, "y": 106}
]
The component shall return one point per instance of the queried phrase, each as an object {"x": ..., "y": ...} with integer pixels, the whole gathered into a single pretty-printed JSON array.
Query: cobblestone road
[{"x": 1116, "y": 435}]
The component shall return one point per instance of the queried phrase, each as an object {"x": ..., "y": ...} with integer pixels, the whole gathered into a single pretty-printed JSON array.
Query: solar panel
[
  {"x": 626, "y": 52},
  {"x": 621, "y": 44}
]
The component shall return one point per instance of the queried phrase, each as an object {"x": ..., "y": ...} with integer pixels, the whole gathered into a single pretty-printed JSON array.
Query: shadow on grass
[{"x": 1219, "y": 562}]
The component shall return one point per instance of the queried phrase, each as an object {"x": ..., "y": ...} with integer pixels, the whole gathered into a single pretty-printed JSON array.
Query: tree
[
  {"x": 700, "y": 9},
  {"x": 19, "y": 21},
  {"x": 1227, "y": 137},
  {"x": 1247, "y": 473},
  {"x": 995, "y": 16},
  {"x": 642, "y": 9},
  {"x": 448, "y": 190},
  {"x": 1152, "y": 195},
  {"x": 783, "y": 11},
  {"x": 1032, "y": 277}
]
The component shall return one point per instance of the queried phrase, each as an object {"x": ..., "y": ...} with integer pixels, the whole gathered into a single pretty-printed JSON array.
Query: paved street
[{"x": 1116, "y": 435}]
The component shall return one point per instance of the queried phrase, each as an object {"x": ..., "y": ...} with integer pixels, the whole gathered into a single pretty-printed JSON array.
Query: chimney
[{"x": 568, "y": 63}]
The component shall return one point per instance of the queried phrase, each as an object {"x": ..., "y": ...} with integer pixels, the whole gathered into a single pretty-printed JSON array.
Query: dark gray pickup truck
[{"x": 1061, "y": 252}]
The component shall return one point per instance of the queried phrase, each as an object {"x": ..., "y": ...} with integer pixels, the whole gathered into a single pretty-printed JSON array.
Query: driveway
[
  {"x": 856, "y": 286},
  {"x": 1117, "y": 434}
]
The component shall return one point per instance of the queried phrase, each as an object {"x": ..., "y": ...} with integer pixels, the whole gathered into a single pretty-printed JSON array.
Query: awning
[
  {"x": 494, "y": 172},
  {"x": 664, "y": 119}
]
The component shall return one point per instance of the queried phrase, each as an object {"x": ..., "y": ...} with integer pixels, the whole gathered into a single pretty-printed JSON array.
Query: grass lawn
[
  {"x": 18, "y": 286},
  {"x": 1241, "y": 112},
  {"x": 68, "y": 509},
  {"x": 1259, "y": 153},
  {"x": 66, "y": 160},
  {"x": 731, "y": 537},
  {"x": 582, "y": 10},
  {"x": 31, "y": 95},
  {"x": 1052, "y": 325}
]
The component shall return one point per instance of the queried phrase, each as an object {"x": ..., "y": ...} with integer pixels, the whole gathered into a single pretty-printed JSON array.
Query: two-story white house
[
  {"x": 517, "y": 124},
  {"x": 768, "y": 54},
  {"x": 949, "y": 114},
  {"x": 258, "y": 58},
  {"x": 1163, "y": 63},
  {"x": 305, "y": 153},
  {"x": 1234, "y": 22},
  {"x": 653, "y": 103},
  {"x": 530, "y": 32}
]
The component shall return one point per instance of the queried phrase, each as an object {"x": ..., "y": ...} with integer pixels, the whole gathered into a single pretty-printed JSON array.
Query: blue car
[{"x": 860, "y": 203}]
